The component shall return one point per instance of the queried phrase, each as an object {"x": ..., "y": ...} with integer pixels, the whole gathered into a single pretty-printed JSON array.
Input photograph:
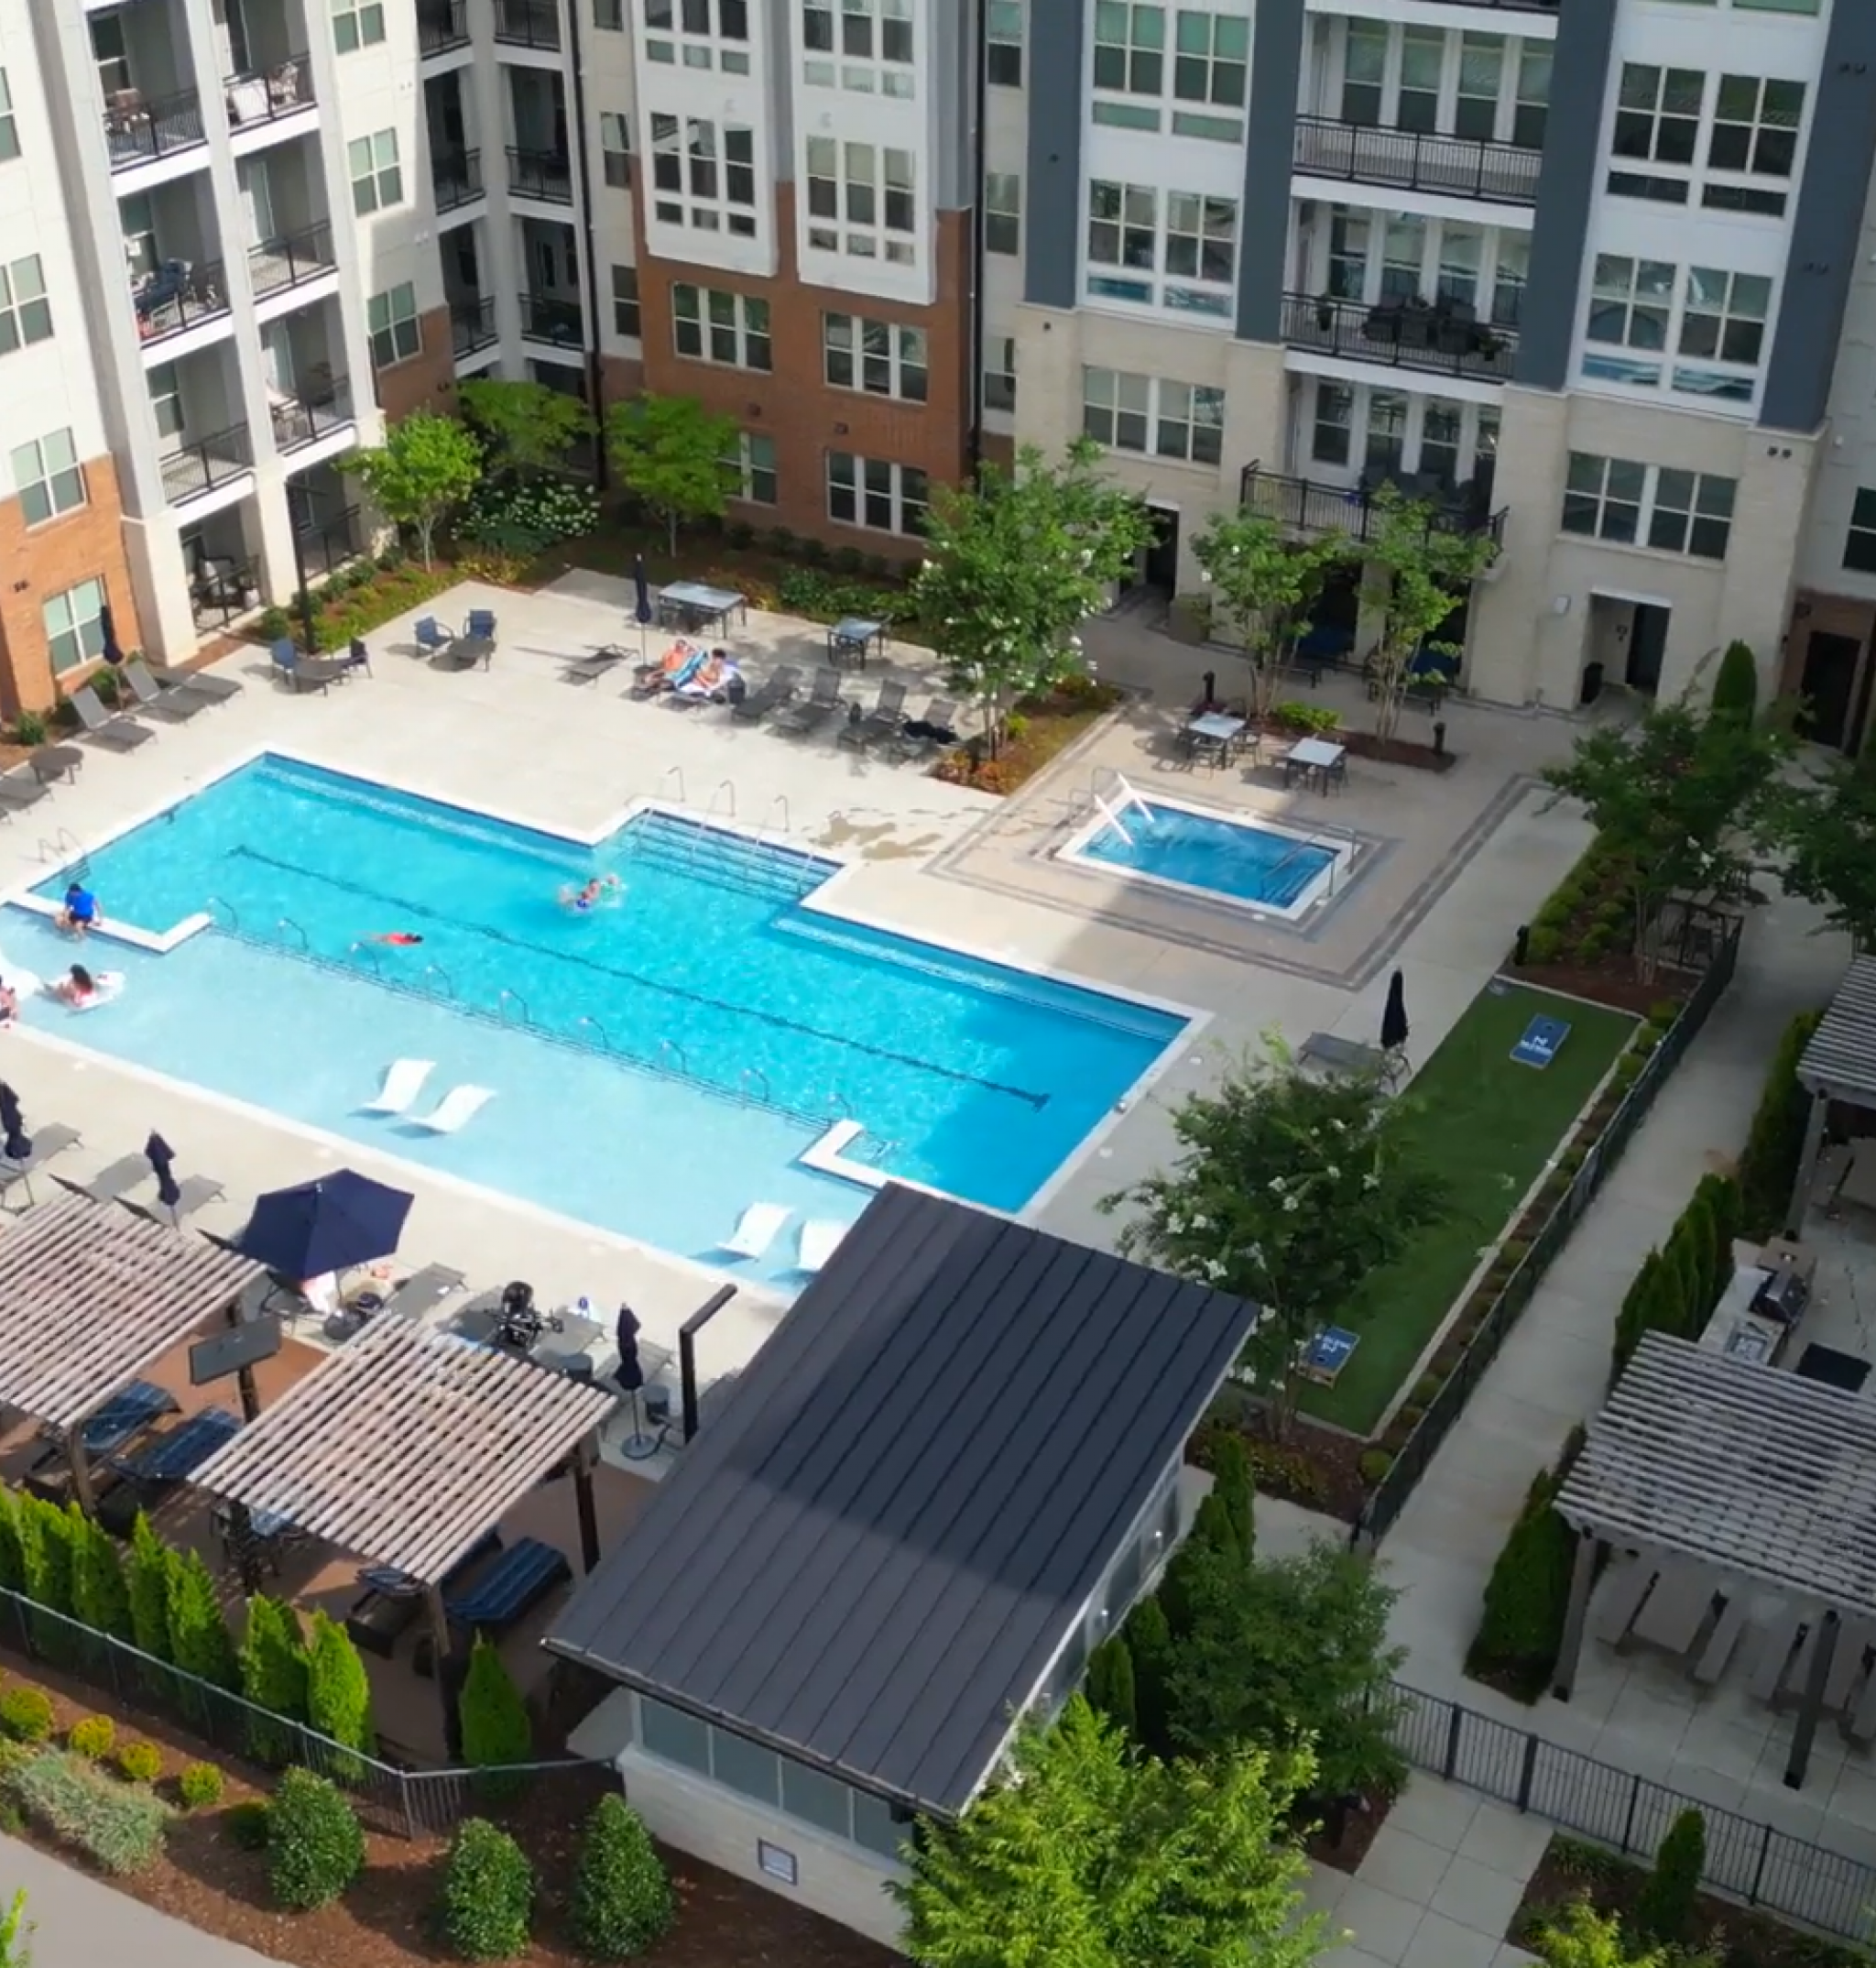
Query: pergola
[
  {"x": 408, "y": 1446},
  {"x": 1765, "y": 1476},
  {"x": 1839, "y": 1064},
  {"x": 92, "y": 1294}
]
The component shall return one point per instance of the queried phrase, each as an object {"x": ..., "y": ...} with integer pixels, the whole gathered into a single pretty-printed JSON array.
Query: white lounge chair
[
  {"x": 755, "y": 1229},
  {"x": 819, "y": 1241},
  {"x": 455, "y": 1107},
  {"x": 404, "y": 1080}
]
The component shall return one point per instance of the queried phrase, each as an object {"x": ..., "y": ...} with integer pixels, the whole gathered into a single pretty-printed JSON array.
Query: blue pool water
[
  {"x": 658, "y": 1065},
  {"x": 1232, "y": 857}
]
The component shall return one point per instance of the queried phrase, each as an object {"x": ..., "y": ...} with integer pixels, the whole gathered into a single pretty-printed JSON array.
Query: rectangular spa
[{"x": 1277, "y": 871}]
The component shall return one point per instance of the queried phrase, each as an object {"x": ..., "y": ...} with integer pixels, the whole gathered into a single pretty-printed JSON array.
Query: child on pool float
[{"x": 82, "y": 992}]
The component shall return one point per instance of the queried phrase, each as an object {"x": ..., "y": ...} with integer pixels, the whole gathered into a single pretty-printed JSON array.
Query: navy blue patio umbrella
[
  {"x": 641, "y": 590},
  {"x": 330, "y": 1224},
  {"x": 161, "y": 1158},
  {"x": 1394, "y": 1015},
  {"x": 111, "y": 652}
]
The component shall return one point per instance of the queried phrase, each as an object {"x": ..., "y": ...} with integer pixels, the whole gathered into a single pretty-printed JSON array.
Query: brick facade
[
  {"x": 44, "y": 561},
  {"x": 428, "y": 379}
]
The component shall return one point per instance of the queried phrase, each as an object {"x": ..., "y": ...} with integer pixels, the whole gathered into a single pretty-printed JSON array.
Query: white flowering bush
[{"x": 525, "y": 513}]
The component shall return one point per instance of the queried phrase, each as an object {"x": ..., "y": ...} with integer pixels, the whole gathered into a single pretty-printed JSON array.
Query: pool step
[{"x": 668, "y": 840}]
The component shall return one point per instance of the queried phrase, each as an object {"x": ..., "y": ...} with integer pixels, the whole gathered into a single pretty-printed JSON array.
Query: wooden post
[
  {"x": 440, "y": 1645},
  {"x": 81, "y": 1470},
  {"x": 1582, "y": 1576},
  {"x": 1807, "y": 1163},
  {"x": 1812, "y": 1706},
  {"x": 583, "y": 1457}
]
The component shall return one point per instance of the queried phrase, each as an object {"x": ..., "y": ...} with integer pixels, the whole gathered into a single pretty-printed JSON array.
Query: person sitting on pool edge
[{"x": 80, "y": 913}]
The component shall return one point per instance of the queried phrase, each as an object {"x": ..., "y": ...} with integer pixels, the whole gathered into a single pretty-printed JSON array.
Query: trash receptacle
[{"x": 1592, "y": 682}]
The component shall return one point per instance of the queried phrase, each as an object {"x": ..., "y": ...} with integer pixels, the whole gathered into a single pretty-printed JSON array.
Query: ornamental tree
[
  {"x": 1580, "y": 1937},
  {"x": 1829, "y": 828},
  {"x": 1265, "y": 583},
  {"x": 1289, "y": 1191},
  {"x": 675, "y": 456},
  {"x": 526, "y": 426},
  {"x": 1015, "y": 564},
  {"x": 1415, "y": 575},
  {"x": 426, "y": 465}
]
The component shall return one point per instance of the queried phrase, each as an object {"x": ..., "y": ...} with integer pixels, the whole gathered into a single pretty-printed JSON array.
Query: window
[
  {"x": 870, "y": 188},
  {"x": 711, "y": 326},
  {"x": 1117, "y": 408},
  {"x": 26, "y": 316},
  {"x": 1364, "y": 71},
  {"x": 1334, "y": 421},
  {"x": 1630, "y": 301},
  {"x": 869, "y": 31},
  {"x": 616, "y": 148},
  {"x": 1693, "y": 514},
  {"x": 999, "y": 373},
  {"x": 47, "y": 476},
  {"x": 1130, "y": 52},
  {"x": 1484, "y": 87},
  {"x": 1755, "y": 125},
  {"x": 609, "y": 16},
  {"x": 1603, "y": 497},
  {"x": 1658, "y": 121},
  {"x": 1859, "y": 547},
  {"x": 377, "y": 183},
  {"x": 888, "y": 499},
  {"x": 358, "y": 23},
  {"x": 1211, "y": 54},
  {"x": 695, "y": 185},
  {"x": 1138, "y": 413},
  {"x": 1706, "y": 313},
  {"x": 740, "y": 1765},
  {"x": 1124, "y": 234},
  {"x": 391, "y": 319},
  {"x": 1753, "y": 136},
  {"x": 625, "y": 303},
  {"x": 1002, "y": 212},
  {"x": 679, "y": 1738},
  {"x": 753, "y": 461},
  {"x": 1723, "y": 321},
  {"x": 166, "y": 399},
  {"x": 687, "y": 31},
  {"x": 1211, "y": 60},
  {"x": 74, "y": 625},
  {"x": 875, "y": 356},
  {"x": 1003, "y": 43},
  {"x": 9, "y": 133},
  {"x": 1685, "y": 512}
]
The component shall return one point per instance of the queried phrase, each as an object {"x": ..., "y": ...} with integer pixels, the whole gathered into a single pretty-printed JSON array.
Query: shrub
[
  {"x": 1543, "y": 946},
  {"x": 848, "y": 560},
  {"x": 140, "y": 1762},
  {"x": 1665, "y": 1908},
  {"x": 1233, "y": 1482},
  {"x": 314, "y": 1844},
  {"x": 496, "y": 1727},
  {"x": 815, "y": 552},
  {"x": 338, "y": 1695},
  {"x": 29, "y": 728},
  {"x": 1373, "y": 1465},
  {"x": 1736, "y": 687},
  {"x": 93, "y": 1738},
  {"x": 527, "y": 513},
  {"x": 272, "y": 623},
  {"x": 198, "y": 1787},
  {"x": 1150, "y": 1646},
  {"x": 273, "y": 1676},
  {"x": 1526, "y": 1596},
  {"x": 199, "y": 1643},
  {"x": 1109, "y": 1685},
  {"x": 740, "y": 534},
  {"x": 250, "y": 1824},
  {"x": 25, "y": 1713},
  {"x": 779, "y": 540},
  {"x": 99, "y": 1595},
  {"x": 1769, "y": 1165},
  {"x": 147, "y": 1578},
  {"x": 45, "y": 1543},
  {"x": 119, "y": 1827},
  {"x": 622, "y": 1899},
  {"x": 1722, "y": 1196},
  {"x": 488, "y": 1894}
]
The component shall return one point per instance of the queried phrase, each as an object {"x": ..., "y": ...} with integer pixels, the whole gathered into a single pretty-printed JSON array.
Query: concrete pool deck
[{"x": 518, "y": 740}]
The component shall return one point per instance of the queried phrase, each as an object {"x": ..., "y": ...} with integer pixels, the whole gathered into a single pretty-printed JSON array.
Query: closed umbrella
[
  {"x": 161, "y": 1158},
  {"x": 107, "y": 630},
  {"x": 1394, "y": 1018},
  {"x": 324, "y": 1226},
  {"x": 18, "y": 1144},
  {"x": 641, "y": 600},
  {"x": 631, "y": 1375}
]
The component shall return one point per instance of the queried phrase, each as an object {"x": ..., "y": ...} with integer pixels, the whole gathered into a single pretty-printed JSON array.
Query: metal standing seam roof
[
  {"x": 1840, "y": 1059},
  {"x": 90, "y": 1293},
  {"x": 869, "y": 1558},
  {"x": 1764, "y": 1474},
  {"x": 406, "y": 1446}
]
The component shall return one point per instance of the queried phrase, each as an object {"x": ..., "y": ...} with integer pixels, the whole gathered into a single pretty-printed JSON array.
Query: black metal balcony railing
[
  {"x": 192, "y": 469},
  {"x": 138, "y": 127},
  {"x": 547, "y": 319},
  {"x": 442, "y": 27},
  {"x": 472, "y": 325},
  {"x": 291, "y": 259},
  {"x": 544, "y": 174},
  {"x": 527, "y": 23},
  {"x": 220, "y": 589},
  {"x": 1417, "y": 161},
  {"x": 1305, "y": 507},
  {"x": 179, "y": 294},
  {"x": 281, "y": 90},
  {"x": 455, "y": 178},
  {"x": 302, "y": 416},
  {"x": 1441, "y": 335},
  {"x": 323, "y": 546}
]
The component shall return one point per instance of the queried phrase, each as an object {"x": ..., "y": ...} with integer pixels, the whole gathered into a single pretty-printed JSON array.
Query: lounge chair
[
  {"x": 192, "y": 1193},
  {"x": 815, "y": 709},
  {"x": 176, "y": 1454},
  {"x": 176, "y": 705},
  {"x": 941, "y": 715},
  {"x": 458, "y": 1105},
  {"x": 510, "y": 1588},
  {"x": 117, "y": 734},
  {"x": 47, "y": 1143},
  {"x": 819, "y": 1241},
  {"x": 403, "y": 1081},
  {"x": 20, "y": 790},
  {"x": 125, "y": 1416},
  {"x": 756, "y": 1229},
  {"x": 128, "y": 1172},
  {"x": 650, "y": 678},
  {"x": 884, "y": 721},
  {"x": 393, "y": 1599},
  {"x": 204, "y": 682},
  {"x": 423, "y": 1291},
  {"x": 590, "y": 668},
  {"x": 769, "y": 696}
]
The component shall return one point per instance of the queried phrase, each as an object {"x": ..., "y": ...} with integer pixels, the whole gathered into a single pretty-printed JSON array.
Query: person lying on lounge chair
[{"x": 672, "y": 668}]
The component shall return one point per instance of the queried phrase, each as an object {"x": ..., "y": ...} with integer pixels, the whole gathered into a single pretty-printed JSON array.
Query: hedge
[
  {"x": 622, "y": 1899},
  {"x": 1769, "y": 1165},
  {"x": 1679, "y": 1283},
  {"x": 1527, "y": 1596}
]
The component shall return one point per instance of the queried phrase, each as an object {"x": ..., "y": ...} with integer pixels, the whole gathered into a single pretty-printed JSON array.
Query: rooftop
[{"x": 1840, "y": 1059}]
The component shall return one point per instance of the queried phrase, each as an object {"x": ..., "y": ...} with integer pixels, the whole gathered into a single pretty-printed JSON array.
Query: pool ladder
[
  {"x": 79, "y": 862},
  {"x": 515, "y": 998}
]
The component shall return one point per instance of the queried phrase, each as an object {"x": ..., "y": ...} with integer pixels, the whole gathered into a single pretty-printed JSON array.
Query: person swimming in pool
[
  {"x": 601, "y": 889},
  {"x": 78, "y": 988},
  {"x": 402, "y": 939}
]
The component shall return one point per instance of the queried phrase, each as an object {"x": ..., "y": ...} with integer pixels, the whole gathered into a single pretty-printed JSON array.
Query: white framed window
[
  {"x": 874, "y": 356},
  {"x": 862, "y": 201},
  {"x": 1632, "y": 503},
  {"x": 861, "y": 46},
  {"x": 625, "y": 303},
  {"x": 1755, "y": 134},
  {"x": 378, "y": 179},
  {"x": 9, "y": 128},
  {"x": 1002, "y": 212},
  {"x": 1183, "y": 70},
  {"x": 703, "y": 175},
  {"x": 1144, "y": 414},
  {"x": 1375, "y": 256},
  {"x": 1693, "y": 513},
  {"x": 1752, "y": 125},
  {"x": 753, "y": 461},
  {"x": 616, "y": 148},
  {"x": 1362, "y": 432},
  {"x": 609, "y": 16},
  {"x": 868, "y": 492},
  {"x": 74, "y": 625},
  {"x": 999, "y": 373},
  {"x": 1713, "y": 319},
  {"x": 391, "y": 319},
  {"x": 26, "y": 316},
  {"x": 48, "y": 477},
  {"x": 1003, "y": 40},
  {"x": 1631, "y": 304},
  {"x": 166, "y": 399},
  {"x": 358, "y": 23},
  {"x": 1488, "y": 87},
  {"x": 1186, "y": 270},
  {"x": 699, "y": 34},
  {"x": 711, "y": 326},
  {"x": 1859, "y": 542}
]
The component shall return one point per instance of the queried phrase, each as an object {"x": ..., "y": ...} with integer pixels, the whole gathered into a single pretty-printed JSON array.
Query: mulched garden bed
[
  {"x": 1394, "y": 750},
  {"x": 1612, "y": 981},
  {"x": 1361, "y": 1826},
  {"x": 1315, "y": 1467},
  {"x": 1045, "y": 728}
]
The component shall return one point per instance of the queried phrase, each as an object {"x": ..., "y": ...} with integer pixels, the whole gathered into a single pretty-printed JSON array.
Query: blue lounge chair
[
  {"x": 510, "y": 1588},
  {"x": 125, "y": 1416},
  {"x": 176, "y": 1455},
  {"x": 393, "y": 1599}
]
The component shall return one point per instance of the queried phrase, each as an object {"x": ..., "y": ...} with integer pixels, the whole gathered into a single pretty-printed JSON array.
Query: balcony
[
  {"x": 301, "y": 417},
  {"x": 1303, "y": 506},
  {"x": 179, "y": 294},
  {"x": 283, "y": 91},
  {"x": 442, "y": 27},
  {"x": 139, "y": 128},
  {"x": 545, "y": 318},
  {"x": 472, "y": 325},
  {"x": 1443, "y": 337},
  {"x": 527, "y": 23},
  {"x": 544, "y": 174},
  {"x": 290, "y": 260},
  {"x": 455, "y": 178},
  {"x": 199, "y": 467},
  {"x": 1413, "y": 160}
]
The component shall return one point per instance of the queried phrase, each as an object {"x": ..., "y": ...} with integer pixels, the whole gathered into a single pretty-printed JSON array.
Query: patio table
[
  {"x": 1315, "y": 757},
  {"x": 851, "y": 638},
  {"x": 1676, "y": 1608},
  {"x": 1212, "y": 734},
  {"x": 698, "y": 607},
  {"x": 56, "y": 761}
]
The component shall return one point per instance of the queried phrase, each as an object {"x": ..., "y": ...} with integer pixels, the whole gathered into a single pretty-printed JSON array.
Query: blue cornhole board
[
  {"x": 1542, "y": 1040},
  {"x": 1326, "y": 1355}
]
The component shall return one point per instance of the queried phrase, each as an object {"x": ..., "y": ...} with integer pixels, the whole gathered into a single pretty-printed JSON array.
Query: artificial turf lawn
[{"x": 1488, "y": 1125}]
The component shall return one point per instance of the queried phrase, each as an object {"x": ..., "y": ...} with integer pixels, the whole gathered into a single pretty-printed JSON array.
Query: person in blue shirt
[{"x": 80, "y": 911}]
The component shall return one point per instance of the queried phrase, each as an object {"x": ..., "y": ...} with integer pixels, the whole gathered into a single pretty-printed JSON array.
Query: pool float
[{"x": 110, "y": 985}]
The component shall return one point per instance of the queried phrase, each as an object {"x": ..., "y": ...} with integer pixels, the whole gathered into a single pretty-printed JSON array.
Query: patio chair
[
  {"x": 433, "y": 638},
  {"x": 177, "y": 704},
  {"x": 116, "y": 734},
  {"x": 47, "y": 1142},
  {"x": 941, "y": 715},
  {"x": 192, "y": 1193},
  {"x": 393, "y": 1600},
  {"x": 119, "y": 1422},
  {"x": 128, "y": 1172},
  {"x": 20, "y": 790},
  {"x": 510, "y": 1588},
  {"x": 770, "y": 696},
  {"x": 147, "y": 1473},
  {"x": 302, "y": 672},
  {"x": 886, "y": 719},
  {"x": 590, "y": 668},
  {"x": 816, "y": 708},
  {"x": 216, "y": 689}
]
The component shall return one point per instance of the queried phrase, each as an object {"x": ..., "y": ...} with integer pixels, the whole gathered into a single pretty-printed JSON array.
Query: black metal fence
[
  {"x": 404, "y": 1802},
  {"x": 1752, "y": 1862},
  {"x": 1390, "y": 1494}
]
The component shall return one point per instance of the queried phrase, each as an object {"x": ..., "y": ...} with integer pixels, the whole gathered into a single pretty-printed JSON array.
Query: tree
[
  {"x": 1414, "y": 575},
  {"x": 1828, "y": 830},
  {"x": 526, "y": 426},
  {"x": 273, "y": 1676},
  {"x": 1291, "y": 1651},
  {"x": 338, "y": 1694},
  {"x": 1776, "y": 1143},
  {"x": 11, "y": 1556},
  {"x": 1665, "y": 1909},
  {"x": 1265, "y": 585},
  {"x": 16, "y": 1934},
  {"x": 1087, "y": 1855},
  {"x": 1289, "y": 1192},
  {"x": 426, "y": 465},
  {"x": 1736, "y": 684},
  {"x": 1682, "y": 799},
  {"x": 1527, "y": 1594},
  {"x": 1232, "y": 1481},
  {"x": 100, "y": 1596},
  {"x": 1015, "y": 563},
  {"x": 497, "y": 1729},
  {"x": 1721, "y": 1194},
  {"x": 150, "y": 1578},
  {"x": 199, "y": 1643},
  {"x": 622, "y": 1899},
  {"x": 1150, "y": 1647},
  {"x": 1109, "y": 1685},
  {"x": 676, "y": 456},
  {"x": 1212, "y": 1531},
  {"x": 1580, "y": 1937}
]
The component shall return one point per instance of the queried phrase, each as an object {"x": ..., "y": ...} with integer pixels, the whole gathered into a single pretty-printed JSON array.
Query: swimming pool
[
  {"x": 1279, "y": 872},
  {"x": 657, "y": 1066}
]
